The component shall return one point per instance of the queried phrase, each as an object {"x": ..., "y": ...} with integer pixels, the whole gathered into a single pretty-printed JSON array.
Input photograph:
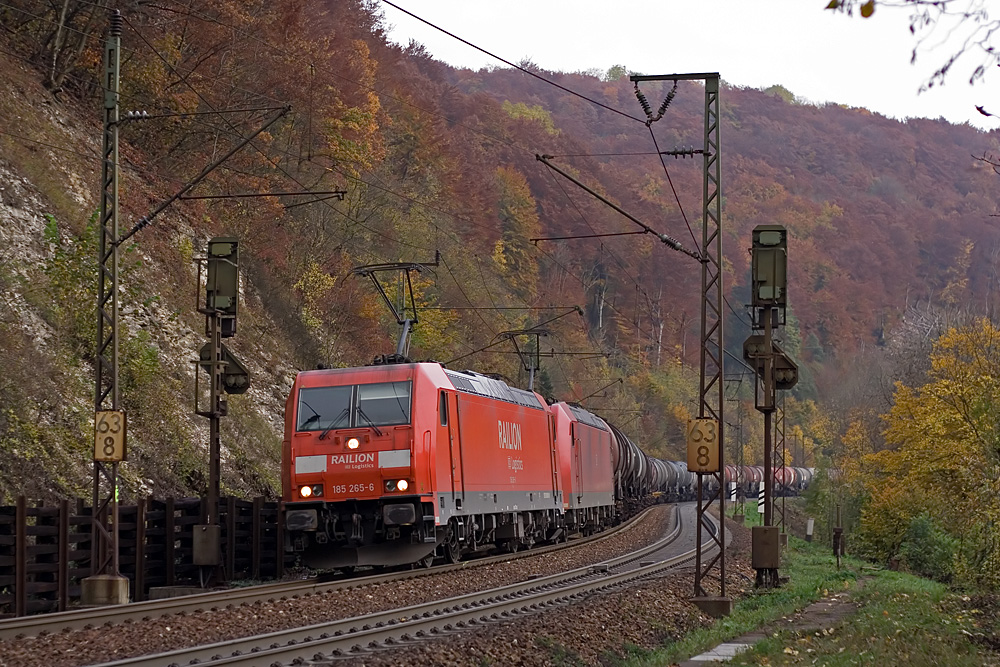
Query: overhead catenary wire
[
  {"x": 46, "y": 20},
  {"x": 673, "y": 189},
  {"x": 178, "y": 71},
  {"x": 203, "y": 17},
  {"x": 739, "y": 361},
  {"x": 250, "y": 142},
  {"x": 349, "y": 218},
  {"x": 626, "y": 154},
  {"x": 621, "y": 265},
  {"x": 582, "y": 236},
  {"x": 390, "y": 238},
  {"x": 496, "y": 307},
  {"x": 69, "y": 151},
  {"x": 123, "y": 96},
  {"x": 578, "y": 279},
  {"x": 517, "y": 67},
  {"x": 462, "y": 290},
  {"x": 124, "y": 50},
  {"x": 146, "y": 220},
  {"x": 424, "y": 205},
  {"x": 212, "y": 19},
  {"x": 736, "y": 313},
  {"x": 188, "y": 11},
  {"x": 135, "y": 116},
  {"x": 668, "y": 240},
  {"x": 649, "y": 125},
  {"x": 455, "y": 237}
]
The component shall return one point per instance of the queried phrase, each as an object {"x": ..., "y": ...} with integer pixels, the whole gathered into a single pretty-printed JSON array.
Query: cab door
[
  {"x": 577, "y": 462},
  {"x": 554, "y": 462},
  {"x": 450, "y": 444}
]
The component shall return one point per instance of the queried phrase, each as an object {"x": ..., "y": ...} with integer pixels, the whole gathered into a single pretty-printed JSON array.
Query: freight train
[{"x": 401, "y": 463}]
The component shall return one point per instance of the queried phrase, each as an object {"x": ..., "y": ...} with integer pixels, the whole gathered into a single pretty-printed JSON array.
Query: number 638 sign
[
  {"x": 109, "y": 436},
  {"x": 703, "y": 445}
]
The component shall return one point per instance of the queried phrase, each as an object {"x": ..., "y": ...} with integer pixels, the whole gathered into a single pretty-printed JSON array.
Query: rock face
[{"x": 49, "y": 195}]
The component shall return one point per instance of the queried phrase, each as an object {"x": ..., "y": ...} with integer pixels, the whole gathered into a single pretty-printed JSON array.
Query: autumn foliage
[
  {"x": 938, "y": 471},
  {"x": 881, "y": 213}
]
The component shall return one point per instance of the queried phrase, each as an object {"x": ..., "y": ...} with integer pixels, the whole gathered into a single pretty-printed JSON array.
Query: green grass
[
  {"x": 812, "y": 573},
  {"x": 903, "y": 620},
  {"x": 557, "y": 654}
]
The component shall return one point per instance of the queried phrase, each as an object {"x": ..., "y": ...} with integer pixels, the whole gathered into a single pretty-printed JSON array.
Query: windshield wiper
[
  {"x": 368, "y": 419},
  {"x": 335, "y": 423},
  {"x": 315, "y": 416}
]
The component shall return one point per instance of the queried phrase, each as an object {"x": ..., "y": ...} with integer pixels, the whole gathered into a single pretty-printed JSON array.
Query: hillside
[{"x": 881, "y": 213}]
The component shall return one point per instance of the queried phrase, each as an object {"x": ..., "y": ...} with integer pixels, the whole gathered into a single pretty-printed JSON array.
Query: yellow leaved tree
[{"x": 939, "y": 475}]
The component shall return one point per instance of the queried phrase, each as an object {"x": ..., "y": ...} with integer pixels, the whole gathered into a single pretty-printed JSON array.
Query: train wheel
[
  {"x": 425, "y": 562},
  {"x": 452, "y": 548}
]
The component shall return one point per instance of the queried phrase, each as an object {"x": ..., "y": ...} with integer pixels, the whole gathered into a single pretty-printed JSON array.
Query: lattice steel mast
[
  {"x": 105, "y": 585},
  {"x": 711, "y": 392}
]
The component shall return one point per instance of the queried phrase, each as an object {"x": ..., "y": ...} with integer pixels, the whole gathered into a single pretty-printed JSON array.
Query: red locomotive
[{"x": 398, "y": 463}]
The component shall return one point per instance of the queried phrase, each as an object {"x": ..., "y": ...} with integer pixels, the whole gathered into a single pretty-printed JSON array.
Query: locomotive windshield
[
  {"x": 383, "y": 404},
  {"x": 324, "y": 407},
  {"x": 380, "y": 404}
]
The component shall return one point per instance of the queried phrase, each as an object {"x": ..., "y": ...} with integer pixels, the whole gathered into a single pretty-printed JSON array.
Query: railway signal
[
  {"x": 223, "y": 289},
  {"x": 227, "y": 374},
  {"x": 769, "y": 263},
  {"x": 775, "y": 370},
  {"x": 786, "y": 372},
  {"x": 235, "y": 376}
]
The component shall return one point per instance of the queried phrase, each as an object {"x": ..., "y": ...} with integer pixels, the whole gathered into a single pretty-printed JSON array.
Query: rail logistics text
[{"x": 510, "y": 435}]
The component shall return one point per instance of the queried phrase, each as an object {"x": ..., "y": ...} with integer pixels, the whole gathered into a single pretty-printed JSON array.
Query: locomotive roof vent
[
  {"x": 477, "y": 383},
  {"x": 585, "y": 416}
]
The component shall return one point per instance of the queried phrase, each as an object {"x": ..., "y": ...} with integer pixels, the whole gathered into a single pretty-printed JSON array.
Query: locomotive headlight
[
  {"x": 305, "y": 491},
  {"x": 317, "y": 490},
  {"x": 353, "y": 443},
  {"x": 396, "y": 485}
]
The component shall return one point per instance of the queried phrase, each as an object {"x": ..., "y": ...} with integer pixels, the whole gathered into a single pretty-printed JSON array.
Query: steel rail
[
  {"x": 78, "y": 619},
  {"x": 325, "y": 641}
]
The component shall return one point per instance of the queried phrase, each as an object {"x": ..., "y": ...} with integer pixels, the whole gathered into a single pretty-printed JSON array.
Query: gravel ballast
[
  {"x": 597, "y": 631},
  {"x": 606, "y": 620}
]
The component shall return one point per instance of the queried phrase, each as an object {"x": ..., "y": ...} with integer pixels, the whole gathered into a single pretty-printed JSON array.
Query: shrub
[{"x": 927, "y": 550}]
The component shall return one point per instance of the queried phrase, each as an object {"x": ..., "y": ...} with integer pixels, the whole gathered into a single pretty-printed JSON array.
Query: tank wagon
[
  {"x": 788, "y": 481},
  {"x": 400, "y": 463}
]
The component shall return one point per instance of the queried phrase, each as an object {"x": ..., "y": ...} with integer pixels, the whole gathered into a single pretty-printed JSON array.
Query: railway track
[
  {"x": 325, "y": 642},
  {"x": 84, "y": 618}
]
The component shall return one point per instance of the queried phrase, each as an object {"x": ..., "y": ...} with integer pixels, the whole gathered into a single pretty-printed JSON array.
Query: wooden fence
[{"x": 45, "y": 550}]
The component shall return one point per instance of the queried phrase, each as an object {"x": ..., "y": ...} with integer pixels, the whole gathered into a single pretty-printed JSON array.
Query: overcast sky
[{"x": 820, "y": 56}]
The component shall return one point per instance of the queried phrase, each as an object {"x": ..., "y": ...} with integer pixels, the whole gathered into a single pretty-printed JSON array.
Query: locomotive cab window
[
  {"x": 443, "y": 408},
  {"x": 353, "y": 406},
  {"x": 321, "y": 408},
  {"x": 383, "y": 404}
]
